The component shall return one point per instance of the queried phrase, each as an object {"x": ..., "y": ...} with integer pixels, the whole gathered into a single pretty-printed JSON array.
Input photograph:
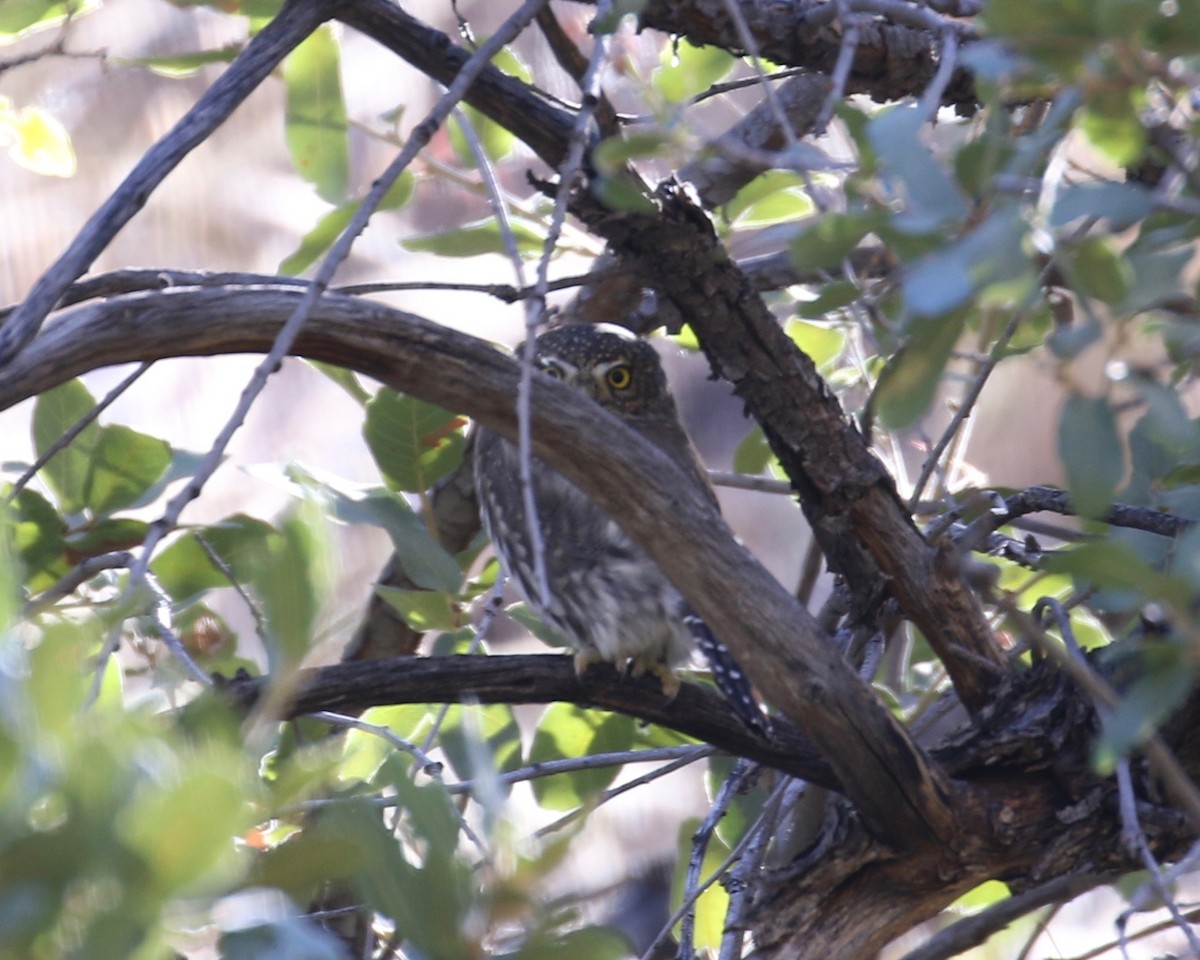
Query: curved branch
[
  {"x": 775, "y": 639},
  {"x": 542, "y": 678}
]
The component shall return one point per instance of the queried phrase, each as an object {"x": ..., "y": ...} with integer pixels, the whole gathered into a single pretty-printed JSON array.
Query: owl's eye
[
  {"x": 552, "y": 370},
  {"x": 619, "y": 377}
]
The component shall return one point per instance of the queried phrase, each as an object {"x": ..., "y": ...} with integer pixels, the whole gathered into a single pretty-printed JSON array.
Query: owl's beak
[{"x": 587, "y": 383}]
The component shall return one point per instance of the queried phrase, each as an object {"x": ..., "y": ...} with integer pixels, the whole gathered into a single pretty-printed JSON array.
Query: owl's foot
[
  {"x": 666, "y": 676},
  {"x": 584, "y": 659}
]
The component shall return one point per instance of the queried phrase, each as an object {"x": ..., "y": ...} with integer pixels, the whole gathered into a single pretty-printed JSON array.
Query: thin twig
[
  {"x": 841, "y": 68},
  {"x": 536, "y": 306},
  {"x": 495, "y": 199},
  {"x": 967, "y": 405},
  {"x": 743, "y": 772},
  {"x": 743, "y": 481},
  {"x": 166, "y": 632},
  {"x": 746, "y": 38},
  {"x": 1137, "y": 844},
  {"x": 734, "y": 855},
  {"x": 260, "y": 623},
  {"x": 974, "y": 930},
  {"x": 614, "y": 792},
  {"x": 78, "y": 575},
  {"x": 77, "y": 428},
  {"x": 428, "y": 765}
]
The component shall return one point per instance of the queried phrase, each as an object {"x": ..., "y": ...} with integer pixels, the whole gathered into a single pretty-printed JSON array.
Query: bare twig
[
  {"x": 1157, "y": 886},
  {"x": 536, "y": 306},
  {"x": 972, "y": 931},
  {"x": 76, "y": 429},
  {"x": 80, "y": 574}
]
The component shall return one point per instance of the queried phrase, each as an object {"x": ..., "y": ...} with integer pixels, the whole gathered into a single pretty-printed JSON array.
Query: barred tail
[{"x": 728, "y": 676}]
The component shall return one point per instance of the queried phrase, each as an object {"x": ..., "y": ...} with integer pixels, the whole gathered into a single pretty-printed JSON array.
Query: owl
[{"x": 606, "y": 597}]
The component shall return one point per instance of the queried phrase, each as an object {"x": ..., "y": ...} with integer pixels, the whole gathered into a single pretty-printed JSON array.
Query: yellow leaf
[{"x": 37, "y": 141}]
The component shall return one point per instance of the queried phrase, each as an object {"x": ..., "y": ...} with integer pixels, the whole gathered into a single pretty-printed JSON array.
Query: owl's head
[{"x": 608, "y": 363}]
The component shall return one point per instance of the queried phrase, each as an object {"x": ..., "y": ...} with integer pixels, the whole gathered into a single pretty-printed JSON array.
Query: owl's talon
[
  {"x": 584, "y": 659},
  {"x": 666, "y": 676}
]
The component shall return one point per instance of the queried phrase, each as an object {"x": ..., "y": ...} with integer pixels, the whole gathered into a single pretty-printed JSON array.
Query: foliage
[{"x": 1053, "y": 218}]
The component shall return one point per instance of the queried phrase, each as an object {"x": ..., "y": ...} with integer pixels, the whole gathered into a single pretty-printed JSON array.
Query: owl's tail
[{"x": 730, "y": 680}]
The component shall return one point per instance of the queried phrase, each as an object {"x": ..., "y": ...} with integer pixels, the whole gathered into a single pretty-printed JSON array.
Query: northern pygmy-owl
[{"x": 607, "y": 598}]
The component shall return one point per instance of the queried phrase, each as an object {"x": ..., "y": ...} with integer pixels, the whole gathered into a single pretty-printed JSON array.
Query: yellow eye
[
  {"x": 552, "y": 370},
  {"x": 619, "y": 377}
]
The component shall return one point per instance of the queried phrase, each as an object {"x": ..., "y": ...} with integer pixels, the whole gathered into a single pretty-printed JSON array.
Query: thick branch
[
  {"x": 847, "y": 495},
  {"x": 775, "y": 639},
  {"x": 892, "y": 59},
  {"x": 546, "y": 129},
  {"x": 544, "y": 678}
]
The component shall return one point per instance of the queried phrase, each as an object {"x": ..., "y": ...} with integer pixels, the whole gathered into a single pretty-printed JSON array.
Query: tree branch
[
  {"x": 775, "y": 639},
  {"x": 542, "y": 678},
  {"x": 847, "y": 495}
]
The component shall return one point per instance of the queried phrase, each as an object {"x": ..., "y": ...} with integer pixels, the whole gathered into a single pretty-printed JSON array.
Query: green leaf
[
  {"x": 753, "y": 453},
  {"x": 475, "y": 239},
  {"x": 1166, "y": 677},
  {"x": 124, "y": 466},
  {"x": 497, "y": 142},
  {"x": 186, "y": 64},
  {"x": 288, "y": 938},
  {"x": 320, "y": 238},
  {"x": 18, "y": 17},
  {"x": 103, "y": 536},
  {"x": 480, "y": 741},
  {"x": 183, "y": 830},
  {"x": 184, "y": 570},
  {"x": 423, "y": 610},
  {"x": 566, "y": 730},
  {"x": 37, "y": 536},
  {"x": 54, "y": 413},
  {"x": 1092, "y": 453},
  {"x": 315, "y": 119},
  {"x": 346, "y": 379},
  {"x": 777, "y": 196},
  {"x": 1122, "y": 204},
  {"x": 523, "y": 614},
  {"x": 911, "y": 378},
  {"x": 687, "y": 70},
  {"x": 1096, "y": 268},
  {"x": 933, "y": 199},
  {"x": 611, "y": 154},
  {"x": 619, "y": 193},
  {"x": 978, "y": 898},
  {"x": 831, "y": 297},
  {"x": 830, "y": 239},
  {"x": 428, "y": 566},
  {"x": 1113, "y": 565},
  {"x": 293, "y": 583},
  {"x": 1111, "y": 122},
  {"x": 949, "y": 276},
  {"x": 823, "y": 343},
  {"x": 414, "y": 443}
]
